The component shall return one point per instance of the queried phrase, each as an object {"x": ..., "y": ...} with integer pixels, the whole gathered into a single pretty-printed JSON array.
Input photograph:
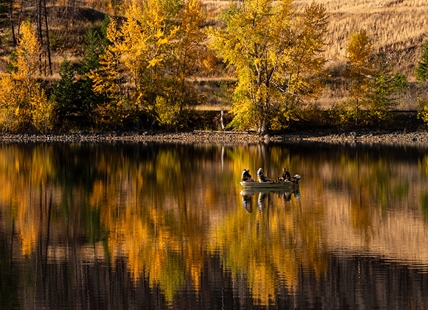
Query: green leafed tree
[
  {"x": 385, "y": 91},
  {"x": 73, "y": 93},
  {"x": 422, "y": 76},
  {"x": 276, "y": 51}
]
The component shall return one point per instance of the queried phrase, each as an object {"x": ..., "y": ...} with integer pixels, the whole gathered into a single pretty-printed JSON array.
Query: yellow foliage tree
[
  {"x": 187, "y": 56},
  {"x": 22, "y": 101},
  {"x": 276, "y": 51},
  {"x": 151, "y": 53},
  {"x": 9, "y": 107},
  {"x": 111, "y": 80},
  {"x": 43, "y": 111},
  {"x": 361, "y": 70},
  {"x": 134, "y": 50}
]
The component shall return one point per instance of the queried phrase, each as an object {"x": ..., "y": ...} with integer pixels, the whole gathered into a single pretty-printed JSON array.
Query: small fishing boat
[{"x": 272, "y": 185}]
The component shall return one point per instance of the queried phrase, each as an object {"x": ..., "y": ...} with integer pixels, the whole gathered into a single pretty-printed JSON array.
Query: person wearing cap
[
  {"x": 246, "y": 176},
  {"x": 261, "y": 177}
]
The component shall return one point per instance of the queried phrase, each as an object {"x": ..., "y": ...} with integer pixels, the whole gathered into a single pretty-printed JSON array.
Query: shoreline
[{"x": 239, "y": 137}]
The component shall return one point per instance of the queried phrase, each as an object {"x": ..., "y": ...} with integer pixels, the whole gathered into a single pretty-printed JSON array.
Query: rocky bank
[{"x": 199, "y": 136}]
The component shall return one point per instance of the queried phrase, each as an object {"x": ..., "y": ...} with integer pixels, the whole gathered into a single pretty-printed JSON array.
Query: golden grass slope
[{"x": 397, "y": 27}]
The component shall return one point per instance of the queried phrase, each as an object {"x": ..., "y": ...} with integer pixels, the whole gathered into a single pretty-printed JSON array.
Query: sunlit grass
[{"x": 397, "y": 28}]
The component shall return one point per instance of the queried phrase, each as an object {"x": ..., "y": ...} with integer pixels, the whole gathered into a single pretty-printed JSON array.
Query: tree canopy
[
  {"x": 276, "y": 51},
  {"x": 150, "y": 55}
]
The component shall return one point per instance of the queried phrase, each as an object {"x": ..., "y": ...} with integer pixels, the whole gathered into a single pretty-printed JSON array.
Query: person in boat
[
  {"x": 285, "y": 175},
  {"x": 261, "y": 177},
  {"x": 246, "y": 176}
]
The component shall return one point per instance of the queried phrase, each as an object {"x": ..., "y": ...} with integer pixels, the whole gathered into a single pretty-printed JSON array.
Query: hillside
[{"x": 397, "y": 27}]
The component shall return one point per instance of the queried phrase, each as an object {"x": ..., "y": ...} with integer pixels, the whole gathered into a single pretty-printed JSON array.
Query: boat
[
  {"x": 271, "y": 185},
  {"x": 267, "y": 190}
]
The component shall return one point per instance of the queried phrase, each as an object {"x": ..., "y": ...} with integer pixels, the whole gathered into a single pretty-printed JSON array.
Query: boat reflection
[{"x": 262, "y": 194}]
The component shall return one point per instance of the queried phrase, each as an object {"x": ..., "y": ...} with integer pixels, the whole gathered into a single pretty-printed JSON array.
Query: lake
[{"x": 167, "y": 226}]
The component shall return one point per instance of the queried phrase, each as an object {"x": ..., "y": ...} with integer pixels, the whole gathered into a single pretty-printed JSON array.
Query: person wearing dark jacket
[
  {"x": 246, "y": 176},
  {"x": 285, "y": 175},
  {"x": 261, "y": 177}
]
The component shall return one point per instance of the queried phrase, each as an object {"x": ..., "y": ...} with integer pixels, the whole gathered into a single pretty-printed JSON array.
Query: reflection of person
[
  {"x": 262, "y": 197},
  {"x": 261, "y": 177},
  {"x": 247, "y": 203},
  {"x": 285, "y": 175},
  {"x": 246, "y": 176},
  {"x": 287, "y": 196}
]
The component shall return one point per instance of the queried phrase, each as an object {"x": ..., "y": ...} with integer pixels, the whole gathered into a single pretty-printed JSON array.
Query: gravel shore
[{"x": 220, "y": 136}]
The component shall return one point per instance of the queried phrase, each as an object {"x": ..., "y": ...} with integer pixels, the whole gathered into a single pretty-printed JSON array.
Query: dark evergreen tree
[
  {"x": 385, "y": 91},
  {"x": 422, "y": 67},
  {"x": 65, "y": 91},
  {"x": 4, "y": 7},
  {"x": 94, "y": 45}
]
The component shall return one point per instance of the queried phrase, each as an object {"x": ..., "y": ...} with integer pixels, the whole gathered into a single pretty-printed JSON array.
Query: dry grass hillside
[{"x": 397, "y": 28}]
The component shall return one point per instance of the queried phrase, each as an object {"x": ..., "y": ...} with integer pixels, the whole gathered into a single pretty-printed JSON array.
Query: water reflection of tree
[
  {"x": 271, "y": 247},
  {"x": 152, "y": 221},
  {"x": 132, "y": 199}
]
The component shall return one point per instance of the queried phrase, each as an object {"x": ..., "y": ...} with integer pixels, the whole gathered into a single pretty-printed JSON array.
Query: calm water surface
[{"x": 158, "y": 226}]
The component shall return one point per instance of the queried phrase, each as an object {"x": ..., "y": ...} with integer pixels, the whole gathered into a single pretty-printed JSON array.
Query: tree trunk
[
  {"x": 262, "y": 129},
  {"x": 12, "y": 23},
  {"x": 48, "y": 45},
  {"x": 39, "y": 29}
]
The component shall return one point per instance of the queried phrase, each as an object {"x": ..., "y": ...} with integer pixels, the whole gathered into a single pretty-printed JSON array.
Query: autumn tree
[
  {"x": 22, "y": 99},
  {"x": 186, "y": 58},
  {"x": 111, "y": 80},
  {"x": 276, "y": 51},
  {"x": 119, "y": 76},
  {"x": 360, "y": 74},
  {"x": 372, "y": 86},
  {"x": 142, "y": 68}
]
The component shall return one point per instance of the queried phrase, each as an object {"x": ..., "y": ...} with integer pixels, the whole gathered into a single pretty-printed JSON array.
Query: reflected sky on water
[{"x": 157, "y": 226}]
